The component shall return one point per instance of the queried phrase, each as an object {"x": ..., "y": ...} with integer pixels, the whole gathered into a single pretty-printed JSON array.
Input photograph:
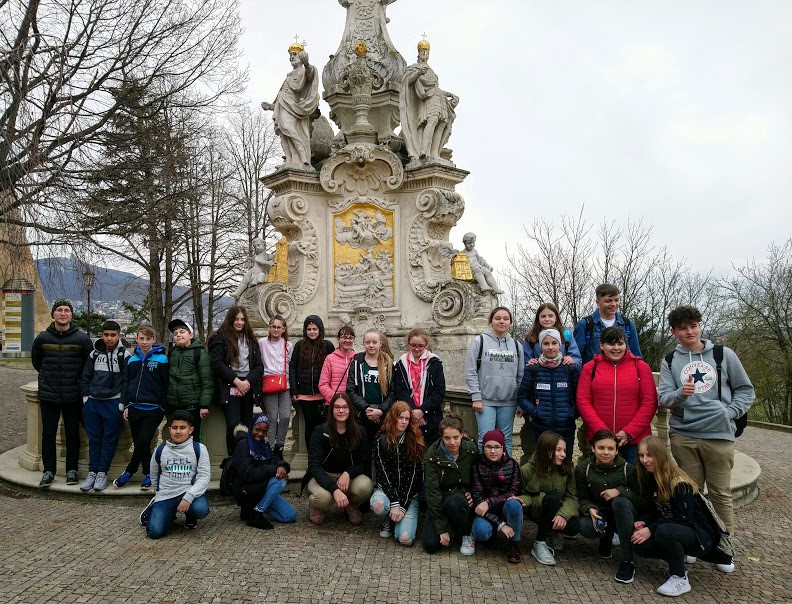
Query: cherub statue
[
  {"x": 258, "y": 273},
  {"x": 482, "y": 271},
  {"x": 427, "y": 111},
  {"x": 297, "y": 99}
]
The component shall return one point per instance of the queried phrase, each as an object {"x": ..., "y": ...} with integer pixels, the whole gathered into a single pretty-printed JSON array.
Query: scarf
[
  {"x": 554, "y": 362},
  {"x": 260, "y": 451}
]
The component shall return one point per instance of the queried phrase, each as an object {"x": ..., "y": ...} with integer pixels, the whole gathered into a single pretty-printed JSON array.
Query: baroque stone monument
[{"x": 367, "y": 227}]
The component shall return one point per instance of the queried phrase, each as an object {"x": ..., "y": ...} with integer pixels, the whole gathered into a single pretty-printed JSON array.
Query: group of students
[{"x": 377, "y": 438}]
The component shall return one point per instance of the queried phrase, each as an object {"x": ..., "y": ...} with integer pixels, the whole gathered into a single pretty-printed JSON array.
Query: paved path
[{"x": 70, "y": 551}]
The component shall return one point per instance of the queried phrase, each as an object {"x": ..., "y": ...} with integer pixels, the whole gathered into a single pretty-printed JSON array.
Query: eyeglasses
[
  {"x": 275, "y": 327},
  {"x": 347, "y": 338},
  {"x": 341, "y": 407},
  {"x": 493, "y": 447}
]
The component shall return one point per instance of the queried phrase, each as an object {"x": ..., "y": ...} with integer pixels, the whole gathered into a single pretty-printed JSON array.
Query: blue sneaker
[
  {"x": 122, "y": 480},
  {"x": 146, "y": 484}
]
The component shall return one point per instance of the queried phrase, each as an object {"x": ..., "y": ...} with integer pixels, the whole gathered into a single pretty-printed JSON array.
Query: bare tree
[
  {"x": 61, "y": 64},
  {"x": 759, "y": 315}
]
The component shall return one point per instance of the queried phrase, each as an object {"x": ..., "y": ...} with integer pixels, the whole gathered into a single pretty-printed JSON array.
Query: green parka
[
  {"x": 445, "y": 478},
  {"x": 535, "y": 487},
  {"x": 190, "y": 387},
  {"x": 592, "y": 479}
]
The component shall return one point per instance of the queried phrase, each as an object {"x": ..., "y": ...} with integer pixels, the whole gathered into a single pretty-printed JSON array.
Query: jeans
[
  {"x": 406, "y": 527},
  {"x": 630, "y": 454},
  {"x": 620, "y": 519},
  {"x": 551, "y": 503},
  {"x": 274, "y": 505},
  {"x": 513, "y": 513},
  {"x": 102, "y": 421},
  {"x": 50, "y": 416},
  {"x": 143, "y": 426},
  {"x": 163, "y": 513},
  {"x": 457, "y": 511},
  {"x": 278, "y": 407},
  {"x": 239, "y": 410},
  {"x": 501, "y": 418}
]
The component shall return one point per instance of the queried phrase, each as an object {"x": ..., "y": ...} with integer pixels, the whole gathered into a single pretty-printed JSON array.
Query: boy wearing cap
[
  {"x": 58, "y": 354},
  {"x": 191, "y": 385},
  {"x": 103, "y": 379}
]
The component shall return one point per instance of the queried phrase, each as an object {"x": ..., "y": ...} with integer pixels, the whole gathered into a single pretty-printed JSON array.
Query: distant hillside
[{"x": 62, "y": 278}]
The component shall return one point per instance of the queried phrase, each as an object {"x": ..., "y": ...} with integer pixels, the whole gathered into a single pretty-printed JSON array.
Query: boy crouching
[{"x": 180, "y": 471}]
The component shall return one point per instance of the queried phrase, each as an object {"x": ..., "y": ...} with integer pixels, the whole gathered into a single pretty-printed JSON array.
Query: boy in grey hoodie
[
  {"x": 180, "y": 471},
  {"x": 702, "y": 426}
]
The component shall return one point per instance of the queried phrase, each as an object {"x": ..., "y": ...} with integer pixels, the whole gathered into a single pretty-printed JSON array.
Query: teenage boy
[
  {"x": 181, "y": 471},
  {"x": 58, "y": 354},
  {"x": 144, "y": 402},
  {"x": 103, "y": 380},
  {"x": 703, "y": 412},
  {"x": 588, "y": 330},
  {"x": 191, "y": 385}
]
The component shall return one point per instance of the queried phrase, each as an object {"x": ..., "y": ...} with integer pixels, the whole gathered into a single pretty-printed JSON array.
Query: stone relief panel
[
  {"x": 362, "y": 319},
  {"x": 362, "y": 168},
  {"x": 288, "y": 217},
  {"x": 429, "y": 251},
  {"x": 363, "y": 256}
]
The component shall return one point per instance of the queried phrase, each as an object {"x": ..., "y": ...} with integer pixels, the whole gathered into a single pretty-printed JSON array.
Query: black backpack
[
  {"x": 717, "y": 353},
  {"x": 227, "y": 476}
]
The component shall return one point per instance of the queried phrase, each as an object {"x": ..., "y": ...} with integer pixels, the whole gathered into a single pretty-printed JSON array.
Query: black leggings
[
  {"x": 551, "y": 503},
  {"x": 620, "y": 518},
  {"x": 312, "y": 416},
  {"x": 143, "y": 425},
  {"x": 458, "y": 513},
  {"x": 672, "y": 542},
  {"x": 239, "y": 410}
]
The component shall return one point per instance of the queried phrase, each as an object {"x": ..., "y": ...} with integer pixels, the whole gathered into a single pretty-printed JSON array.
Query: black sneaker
[
  {"x": 192, "y": 523},
  {"x": 71, "y": 477},
  {"x": 626, "y": 572},
  {"x": 47, "y": 478},
  {"x": 605, "y": 549}
]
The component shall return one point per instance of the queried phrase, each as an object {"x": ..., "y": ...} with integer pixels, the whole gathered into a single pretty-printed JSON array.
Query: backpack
[
  {"x": 589, "y": 319},
  {"x": 158, "y": 459},
  {"x": 717, "y": 353},
  {"x": 227, "y": 476},
  {"x": 481, "y": 349},
  {"x": 707, "y": 511}
]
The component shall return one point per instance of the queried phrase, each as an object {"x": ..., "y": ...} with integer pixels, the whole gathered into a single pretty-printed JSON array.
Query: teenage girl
[
  {"x": 550, "y": 496},
  {"x": 304, "y": 371},
  {"x": 370, "y": 383},
  {"x": 237, "y": 367},
  {"x": 496, "y": 490},
  {"x": 493, "y": 371},
  {"x": 448, "y": 468},
  {"x": 609, "y": 500},
  {"x": 335, "y": 369},
  {"x": 276, "y": 352},
  {"x": 398, "y": 457},
  {"x": 419, "y": 379},
  {"x": 679, "y": 529}
]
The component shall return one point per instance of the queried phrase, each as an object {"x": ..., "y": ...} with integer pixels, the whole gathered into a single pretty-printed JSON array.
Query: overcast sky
[{"x": 674, "y": 112}]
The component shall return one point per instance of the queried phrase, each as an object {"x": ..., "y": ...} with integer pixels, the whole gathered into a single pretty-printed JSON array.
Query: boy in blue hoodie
[
  {"x": 144, "y": 401},
  {"x": 103, "y": 380},
  {"x": 703, "y": 411},
  {"x": 181, "y": 473}
]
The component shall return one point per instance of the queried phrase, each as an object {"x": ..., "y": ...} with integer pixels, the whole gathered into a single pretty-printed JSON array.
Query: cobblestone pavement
[
  {"x": 12, "y": 402},
  {"x": 71, "y": 551}
]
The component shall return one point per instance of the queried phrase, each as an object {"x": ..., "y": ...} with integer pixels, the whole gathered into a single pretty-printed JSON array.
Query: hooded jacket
[
  {"x": 433, "y": 390},
  {"x": 620, "y": 397},
  {"x": 502, "y": 366},
  {"x": 105, "y": 372},
  {"x": 305, "y": 379},
  {"x": 445, "y": 478},
  {"x": 534, "y": 487},
  {"x": 59, "y": 357},
  {"x": 190, "y": 387},
  {"x": 356, "y": 387},
  {"x": 591, "y": 479},
  {"x": 251, "y": 476},
  {"x": 703, "y": 415},
  {"x": 148, "y": 378}
]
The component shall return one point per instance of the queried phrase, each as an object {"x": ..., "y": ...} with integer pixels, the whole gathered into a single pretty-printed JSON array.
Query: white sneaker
[
  {"x": 468, "y": 547},
  {"x": 675, "y": 586},
  {"x": 725, "y": 568},
  {"x": 543, "y": 554},
  {"x": 690, "y": 559},
  {"x": 386, "y": 532},
  {"x": 615, "y": 541}
]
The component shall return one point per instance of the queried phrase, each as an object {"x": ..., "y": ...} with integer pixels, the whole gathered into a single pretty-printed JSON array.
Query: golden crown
[
  {"x": 297, "y": 46},
  {"x": 423, "y": 45}
]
